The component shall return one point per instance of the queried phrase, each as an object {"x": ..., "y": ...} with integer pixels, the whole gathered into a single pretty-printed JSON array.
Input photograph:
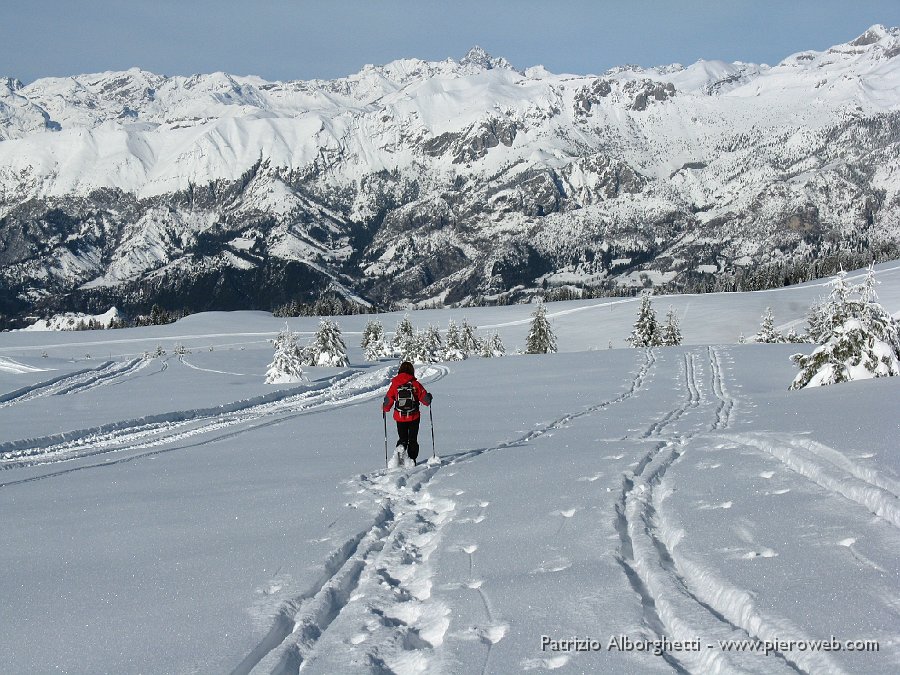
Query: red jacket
[{"x": 390, "y": 398}]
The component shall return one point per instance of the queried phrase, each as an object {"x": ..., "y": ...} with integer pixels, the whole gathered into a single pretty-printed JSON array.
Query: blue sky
[{"x": 303, "y": 39}]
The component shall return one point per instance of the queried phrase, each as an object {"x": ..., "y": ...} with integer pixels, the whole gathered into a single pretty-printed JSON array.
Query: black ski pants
[{"x": 409, "y": 437}]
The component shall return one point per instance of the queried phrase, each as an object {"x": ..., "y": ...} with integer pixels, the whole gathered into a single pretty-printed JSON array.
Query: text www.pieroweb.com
[{"x": 659, "y": 646}]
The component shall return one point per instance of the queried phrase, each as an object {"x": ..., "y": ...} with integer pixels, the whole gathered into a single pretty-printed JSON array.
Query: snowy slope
[
  {"x": 177, "y": 515},
  {"x": 444, "y": 180}
]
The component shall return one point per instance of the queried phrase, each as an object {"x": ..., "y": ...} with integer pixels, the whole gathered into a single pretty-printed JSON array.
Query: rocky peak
[
  {"x": 12, "y": 83},
  {"x": 875, "y": 34},
  {"x": 478, "y": 57}
]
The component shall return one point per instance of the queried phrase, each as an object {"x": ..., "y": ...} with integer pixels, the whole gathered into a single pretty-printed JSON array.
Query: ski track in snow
[
  {"x": 208, "y": 370},
  {"x": 725, "y": 408},
  {"x": 680, "y": 599},
  {"x": 106, "y": 373},
  {"x": 833, "y": 471},
  {"x": 11, "y": 366},
  {"x": 163, "y": 338},
  {"x": 165, "y": 429},
  {"x": 406, "y": 514},
  {"x": 693, "y": 400}
]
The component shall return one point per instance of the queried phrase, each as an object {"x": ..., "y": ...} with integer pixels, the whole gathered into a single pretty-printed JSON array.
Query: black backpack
[{"x": 407, "y": 404}]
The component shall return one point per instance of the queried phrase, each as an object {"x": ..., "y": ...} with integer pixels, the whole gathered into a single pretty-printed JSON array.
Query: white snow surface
[{"x": 178, "y": 515}]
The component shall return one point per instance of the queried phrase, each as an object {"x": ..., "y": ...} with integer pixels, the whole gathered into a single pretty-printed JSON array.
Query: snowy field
[{"x": 178, "y": 515}]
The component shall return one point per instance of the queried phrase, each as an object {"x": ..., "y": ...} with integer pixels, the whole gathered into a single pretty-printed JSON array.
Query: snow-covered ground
[{"x": 176, "y": 514}]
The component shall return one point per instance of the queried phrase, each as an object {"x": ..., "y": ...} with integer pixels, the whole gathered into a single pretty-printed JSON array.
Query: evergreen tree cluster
[
  {"x": 822, "y": 260},
  {"x": 769, "y": 334},
  {"x": 428, "y": 346},
  {"x": 158, "y": 317},
  {"x": 326, "y": 349},
  {"x": 857, "y": 337},
  {"x": 327, "y": 304},
  {"x": 94, "y": 324},
  {"x": 648, "y": 333}
]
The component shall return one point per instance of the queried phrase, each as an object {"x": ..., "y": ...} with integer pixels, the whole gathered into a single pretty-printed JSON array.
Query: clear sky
[{"x": 304, "y": 39}]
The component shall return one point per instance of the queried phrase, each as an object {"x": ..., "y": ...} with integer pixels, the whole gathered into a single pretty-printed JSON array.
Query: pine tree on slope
[
  {"x": 414, "y": 349},
  {"x": 493, "y": 347},
  {"x": 671, "y": 332},
  {"x": 469, "y": 342},
  {"x": 286, "y": 366},
  {"x": 646, "y": 331},
  {"x": 373, "y": 341},
  {"x": 453, "y": 350},
  {"x": 541, "y": 339},
  {"x": 404, "y": 334},
  {"x": 328, "y": 346},
  {"x": 768, "y": 334},
  {"x": 859, "y": 338},
  {"x": 831, "y": 313},
  {"x": 433, "y": 346}
]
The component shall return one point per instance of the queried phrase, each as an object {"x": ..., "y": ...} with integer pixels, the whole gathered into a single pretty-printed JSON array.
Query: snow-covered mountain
[{"x": 440, "y": 181}]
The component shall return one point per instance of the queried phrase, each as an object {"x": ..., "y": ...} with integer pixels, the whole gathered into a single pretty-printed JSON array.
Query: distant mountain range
[{"x": 449, "y": 182}]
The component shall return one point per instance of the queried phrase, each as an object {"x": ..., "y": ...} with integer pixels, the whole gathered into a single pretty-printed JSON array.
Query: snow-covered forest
[{"x": 610, "y": 507}]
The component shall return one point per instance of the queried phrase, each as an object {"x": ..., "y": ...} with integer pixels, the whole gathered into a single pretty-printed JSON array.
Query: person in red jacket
[{"x": 404, "y": 395}]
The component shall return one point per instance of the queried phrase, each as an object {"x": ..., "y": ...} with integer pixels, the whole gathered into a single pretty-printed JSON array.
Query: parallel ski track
[
  {"x": 671, "y": 606},
  {"x": 692, "y": 401},
  {"x": 831, "y": 470},
  {"x": 636, "y": 384},
  {"x": 308, "y": 615},
  {"x": 165, "y": 430},
  {"x": 725, "y": 408},
  {"x": 75, "y": 382}
]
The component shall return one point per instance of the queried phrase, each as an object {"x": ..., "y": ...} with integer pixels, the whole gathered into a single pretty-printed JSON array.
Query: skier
[{"x": 405, "y": 394}]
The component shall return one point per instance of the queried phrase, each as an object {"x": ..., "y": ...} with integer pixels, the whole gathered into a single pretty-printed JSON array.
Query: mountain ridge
[{"x": 449, "y": 181}]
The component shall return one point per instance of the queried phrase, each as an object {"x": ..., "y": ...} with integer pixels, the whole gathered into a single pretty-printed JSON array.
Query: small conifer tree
[
  {"x": 403, "y": 335},
  {"x": 795, "y": 338},
  {"x": 453, "y": 350},
  {"x": 286, "y": 365},
  {"x": 328, "y": 348},
  {"x": 469, "y": 341},
  {"x": 433, "y": 345},
  {"x": 541, "y": 339},
  {"x": 373, "y": 341},
  {"x": 768, "y": 334},
  {"x": 493, "y": 347},
  {"x": 671, "y": 332},
  {"x": 414, "y": 349},
  {"x": 646, "y": 331}
]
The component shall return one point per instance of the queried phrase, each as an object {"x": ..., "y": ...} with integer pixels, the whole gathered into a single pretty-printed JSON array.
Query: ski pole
[
  {"x": 431, "y": 417},
  {"x": 384, "y": 417}
]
